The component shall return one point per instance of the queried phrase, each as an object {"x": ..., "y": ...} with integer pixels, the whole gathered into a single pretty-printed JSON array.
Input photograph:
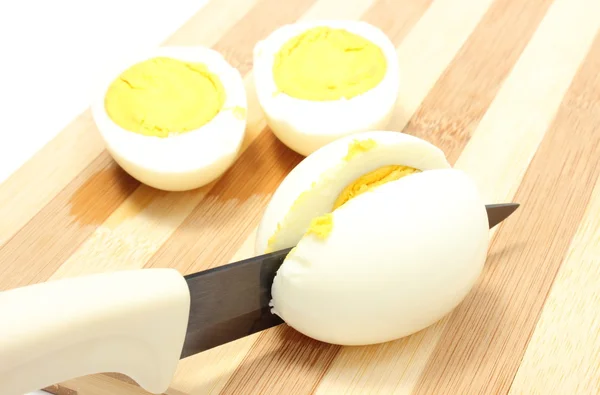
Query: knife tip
[{"x": 499, "y": 212}]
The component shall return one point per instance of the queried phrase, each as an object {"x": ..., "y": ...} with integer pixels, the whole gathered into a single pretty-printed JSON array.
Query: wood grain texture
[
  {"x": 496, "y": 321},
  {"x": 554, "y": 360},
  {"x": 508, "y": 89}
]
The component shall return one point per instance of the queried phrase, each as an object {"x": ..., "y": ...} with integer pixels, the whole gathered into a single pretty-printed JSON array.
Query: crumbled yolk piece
[
  {"x": 358, "y": 146},
  {"x": 162, "y": 95},
  {"x": 325, "y": 64},
  {"x": 371, "y": 180},
  {"x": 321, "y": 226}
]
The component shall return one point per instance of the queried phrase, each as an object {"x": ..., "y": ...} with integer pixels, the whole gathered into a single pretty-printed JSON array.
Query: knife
[{"x": 136, "y": 322}]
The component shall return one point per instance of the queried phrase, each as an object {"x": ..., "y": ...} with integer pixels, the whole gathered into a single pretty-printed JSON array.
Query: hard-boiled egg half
[
  {"x": 388, "y": 239},
  {"x": 174, "y": 119},
  {"x": 317, "y": 81}
]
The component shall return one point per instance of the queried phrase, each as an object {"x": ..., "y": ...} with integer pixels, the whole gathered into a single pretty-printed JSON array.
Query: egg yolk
[
  {"x": 162, "y": 95},
  {"x": 372, "y": 180},
  {"x": 325, "y": 64}
]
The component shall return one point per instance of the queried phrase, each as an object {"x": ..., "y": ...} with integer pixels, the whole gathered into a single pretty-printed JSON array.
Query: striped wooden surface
[{"x": 509, "y": 89}]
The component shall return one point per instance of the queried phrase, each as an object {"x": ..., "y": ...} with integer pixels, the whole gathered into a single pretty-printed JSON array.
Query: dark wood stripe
[
  {"x": 58, "y": 389},
  {"x": 447, "y": 118},
  {"x": 452, "y": 110},
  {"x": 285, "y": 362},
  {"x": 484, "y": 341},
  {"x": 238, "y": 44}
]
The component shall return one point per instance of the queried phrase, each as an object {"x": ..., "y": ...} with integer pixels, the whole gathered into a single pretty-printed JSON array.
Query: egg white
[
  {"x": 182, "y": 161},
  {"x": 322, "y": 176},
  {"x": 306, "y": 125},
  {"x": 397, "y": 260}
]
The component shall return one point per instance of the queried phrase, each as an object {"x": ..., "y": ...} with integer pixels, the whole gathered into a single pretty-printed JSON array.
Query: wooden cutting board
[{"x": 509, "y": 89}]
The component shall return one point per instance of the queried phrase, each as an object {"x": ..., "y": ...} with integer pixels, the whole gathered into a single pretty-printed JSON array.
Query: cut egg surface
[
  {"x": 379, "y": 262},
  {"x": 322, "y": 180},
  {"x": 175, "y": 118},
  {"x": 317, "y": 81}
]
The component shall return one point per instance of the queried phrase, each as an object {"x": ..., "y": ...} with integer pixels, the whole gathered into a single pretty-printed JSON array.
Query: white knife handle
[{"x": 129, "y": 322}]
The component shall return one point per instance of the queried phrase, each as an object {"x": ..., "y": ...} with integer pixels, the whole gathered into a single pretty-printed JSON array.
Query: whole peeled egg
[
  {"x": 173, "y": 118},
  {"x": 388, "y": 239},
  {"x": 317, "y": 81}
]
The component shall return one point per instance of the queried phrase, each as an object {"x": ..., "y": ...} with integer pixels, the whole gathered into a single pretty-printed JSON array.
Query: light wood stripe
[
  {"x": 396, "y": 17},
  {"x": 485, "y": 338},
  {"x": 257, "y": 373},
  {"x": 562, "y": 355},
  {"x": 57, "y": 164}
]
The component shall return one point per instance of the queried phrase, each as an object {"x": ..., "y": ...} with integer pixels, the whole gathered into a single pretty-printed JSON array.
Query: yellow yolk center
[
  {"x": 162, "y": 95},
  {"x": 371, "y": 180},
  {"x": 328, "y": 64}
]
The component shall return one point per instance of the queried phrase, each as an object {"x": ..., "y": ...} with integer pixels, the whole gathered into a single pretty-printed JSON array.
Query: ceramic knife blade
[{"x": 232, "y": 301}]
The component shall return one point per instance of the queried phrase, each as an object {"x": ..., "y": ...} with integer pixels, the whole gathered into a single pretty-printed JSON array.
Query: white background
[{"x": 49, "y": 52}]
